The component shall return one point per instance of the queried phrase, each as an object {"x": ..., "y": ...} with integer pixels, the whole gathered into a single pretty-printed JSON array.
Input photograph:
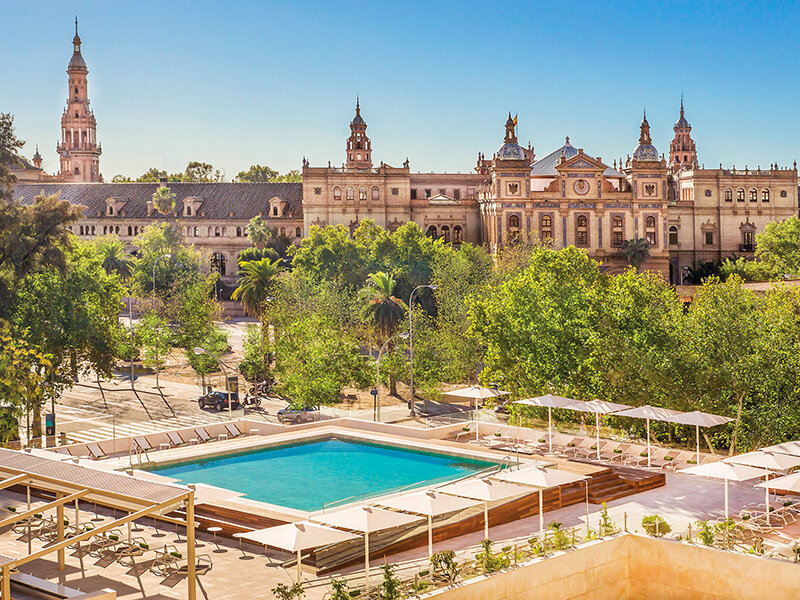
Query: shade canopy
[
  {"x": 204, "y": 493},
  {"x": 792, "y": 448},
  {"x": 476, "y": 392},
  {"x": 429, "y": 503},
  {"x": 538, "y": 477},
  {"x": 483, "y": 489},
  {"x": 302, "y": 535},
  {"x": 700, "y": 419},
  {"x": 654, "y": 413},
  {"x": 726, "y": 471},
  {"x": 597, "y": 406},
  {"x": 548, "y": 401},
  {"x": 788, "y": 483},
  {"x": 367, "y": 519},
  {"x": 765, "y": 460}
]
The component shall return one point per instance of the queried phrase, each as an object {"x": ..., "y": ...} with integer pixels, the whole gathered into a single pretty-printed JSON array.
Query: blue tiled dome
[{"x": 511, "y": 151}]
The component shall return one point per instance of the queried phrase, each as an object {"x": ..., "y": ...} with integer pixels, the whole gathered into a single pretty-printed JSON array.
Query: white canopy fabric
[
  {"x": 476, "y": 392},
  {"x": 648, "y": 412},
  {"x": 550, "y": 402},
  {"x": 429, "y": 503},
  {"x": 700, "y": 419},
  {"x": 727, "y": 472},
  {"x": 543, "y": 479},
  {"x": 296, "y": 537},
  {"x": 792, "y": 448},
  {"x": 765, "y": 460},
  {"x": 598, "y": 407},
  {"x": 787, "y": 483},
  {"x": 204, "y": 493},
  {"x": 367, "y": 519},
  {"x": 486, "y": 490}
]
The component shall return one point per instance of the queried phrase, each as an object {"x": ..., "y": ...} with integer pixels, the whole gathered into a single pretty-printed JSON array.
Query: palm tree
[
  {"x": 636, "y": 251},
  {"x": 698, "y": 272},
  {"x": 259, "y": 231},
  {"x": 112, "y": 253},
  {"x": 163, "y": 200},
  {"x": 381, "y": 308},
  {"x": 253, "y": 286}
]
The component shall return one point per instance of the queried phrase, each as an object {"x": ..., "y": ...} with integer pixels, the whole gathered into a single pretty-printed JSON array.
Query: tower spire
[{"x": 76, "y": 24}]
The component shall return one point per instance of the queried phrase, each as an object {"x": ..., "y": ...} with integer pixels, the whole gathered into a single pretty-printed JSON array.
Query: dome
[
  {"x": 357, "y": 120},
  {"x": 645, "y": 152},
  {"x": 682, "y": 123},
  {"x": 76, "y": 63},
  {"x": 511, "y": 151}
]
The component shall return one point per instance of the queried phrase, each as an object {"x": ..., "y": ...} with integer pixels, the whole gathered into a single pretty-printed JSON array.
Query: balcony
[{"x": 746, "y": 247}]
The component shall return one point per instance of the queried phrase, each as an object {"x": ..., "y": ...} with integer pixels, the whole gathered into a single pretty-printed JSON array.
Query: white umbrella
[
  {"x": 700, "y": 419},
  {"x": 727, "y": 472},
  {"x": 542, "y": 479},
  {"x": 296, "y": 537},
  {"x": 650, "y": 412},
  {"x": 483, "y": 489},
  {"x": 429, "y": 504},
  {"x": 765, "y": 460},
  {"x": 367, "y": 519},
  {"x": 476, "y": 392},
  {"x": 598, "y": 407},
  {"x": 551, "y": 402},
  {"x": 204, "y": 493},
  {"x": 792, "y": 448}
]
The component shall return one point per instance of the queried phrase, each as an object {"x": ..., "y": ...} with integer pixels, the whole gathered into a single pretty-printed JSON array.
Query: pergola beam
[
  {"x": 43, "y": 508},
  {"x": 16, "y": 479}
]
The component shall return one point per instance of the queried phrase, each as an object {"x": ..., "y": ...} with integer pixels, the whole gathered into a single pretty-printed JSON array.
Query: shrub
[
  {"x": 339, "y": 590},
  {"x": 607, "y": 526},
  {"x": 390, "y": 586},
  {"x": 489, "y": 560},
  {"x": 284, "y": 592},
  {"x": 655, "y": 525},
  {"x": 706, "y": 533},
  {"x": 444, "y": 562}
]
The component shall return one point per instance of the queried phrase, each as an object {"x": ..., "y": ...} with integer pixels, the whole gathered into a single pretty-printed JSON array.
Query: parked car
[
  {"x": 218, "y": 400},
  {"x": 298, "y": 415}
]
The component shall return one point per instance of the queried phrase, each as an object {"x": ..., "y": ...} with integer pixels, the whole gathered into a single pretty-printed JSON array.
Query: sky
[{"x": 236, "y": 83}]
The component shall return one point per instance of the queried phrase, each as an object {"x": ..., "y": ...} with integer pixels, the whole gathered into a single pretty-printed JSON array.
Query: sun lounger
[
  {"x": 143, "y": 443},
  {"x": 232, "y": 430},
  {"x": 104, "y": 542},
  {"x": 169, "y": 561},
  {"x": 612, "y": 450},
  {"x": 175, "y": 439},
  {"x": 95, "y": 451},
  {"x": 202, "y": 434}
]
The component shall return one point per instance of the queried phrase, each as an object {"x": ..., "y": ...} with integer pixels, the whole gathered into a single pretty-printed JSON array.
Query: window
[
  {"x": 358, "y": 156},
  {"x": 728, "y": 195},
  {"x": 581, "y": 221},
  {"x": 650, "y": 230},
  {"x": 783, "y": 194},
  {"x": 754, "y": 195},
  {"x": 92, "y": 229},
  {"x": 298, "y": 232},
  {"x": 210, "y": 232},
  {"x": 216, "y": 231},
  {"x": 740, "y": 195},
  {"x": 413, "y": 194},
  {"x": 188, "y": 211},
  {"x": 765, "y": 195},
  {"x": 238, "y": 232},
  {"x": 218, "y": 263},
  {"x": 617, "y": 233},
  {"x": 707, "y": 193},
  {"x": 362, "y": 193},
  {"x": 283, "y": 230},
  {"x": 456, "y": 196},
  {"x": 317, "y": 191},
  {"x": 442, "y": 192},
  {"x": 427, "y": 193},
  {"x": 446, "y": 234},
  {"x": 337, "y": 193},
  {"x": 80, "y": 229},
  {"x": 77, "y": 171},
  {"x": 673, "y": 236},
  {"x": 195, "y": 232},
  {"x": 274, "y": 211},
  {"x": 432, "y": 232},
  {"x": 395, "y": 191},
  {"x": 110, "y": 209},
  {"x": 376, "y": 193},
  {"x": 513, "y": 222},
  {"x": 457, "y": 234},
  {"x": 581, "y": 231},
  {"x": 351, "y": 193},
  {"x": 709, "y": 238},
  {"x": 105, "y": 229},
  {"x": 130, "y": 231},
  {"x": 747, "y": 241},
  {"x": 546, "y": 227}
]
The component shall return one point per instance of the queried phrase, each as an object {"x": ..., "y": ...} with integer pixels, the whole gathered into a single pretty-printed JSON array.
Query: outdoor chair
[
  {"x": 169, "y": 561},
  {"x": 614, "y": 451},
  {"x": 232, "y": 430},
  {"x": 580, "y": 444},
  {"x": 661, "y": 457},
  {"x": 95, "y": 451},
  {"x": 785, "y": 547},
  {"x": 590, "y": 453},
  {"x": 561, "y": 442},
  {"x": 124, "y": 552},
  {"x": 202, "y": 434},
  {"x": 143, "y": 443},
  {"x": 102, "y": 542},
  {"x": 34, "y": 522},
  {"x": 681, "y": 461},
  {"x": 175, "y": 439},
  {"x": 635, "y": 454}
]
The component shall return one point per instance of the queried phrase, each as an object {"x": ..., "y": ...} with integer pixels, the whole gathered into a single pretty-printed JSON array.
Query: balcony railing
[{"x": 746, "y": 247}]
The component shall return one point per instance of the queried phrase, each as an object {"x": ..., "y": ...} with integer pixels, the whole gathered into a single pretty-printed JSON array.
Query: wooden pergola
[{"x": 71, "y": 483}]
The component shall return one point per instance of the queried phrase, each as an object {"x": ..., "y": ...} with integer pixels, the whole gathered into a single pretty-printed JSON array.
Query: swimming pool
[{"x": 307, "y": 476}]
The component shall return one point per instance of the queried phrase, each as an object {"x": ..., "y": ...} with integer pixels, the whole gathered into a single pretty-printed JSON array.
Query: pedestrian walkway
[{"x": 142, "y": 428}]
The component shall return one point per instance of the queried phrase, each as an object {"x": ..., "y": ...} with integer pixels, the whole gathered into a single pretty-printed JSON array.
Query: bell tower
[
  {"x": 682, "y": 151},
  {"x": 359, "y": 148},
  {"x": 79, "y": 151}
]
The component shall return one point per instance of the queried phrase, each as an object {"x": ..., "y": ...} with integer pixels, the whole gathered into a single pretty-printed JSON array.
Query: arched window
[
  {"x": 238, "y": 231},
  {"x": 189, "y": 211},
  {"x": 216, "y": 231},
  {"x": 446, "y": 234},
  {"x": 740, "y": 195},
  {"x": 80, "y": 229},
  {"x": 218, "y": 263},
  {"x": 728, "y": 195},
  {"x": 362, "y": 193},
  {"x": 130, "y": 231},
  {"x": 376, "y": 193},
  {"x": 513, "y": 221},
  {"x": 650, "y": 233},
  {"x": 546, "y": 227},
  {"x": 754, "y": 195},
  {"x": 432, "y": 232},
  {"x": 765, "y": 195},
  {"x": 581, "y": 221},
  {"x": 195, "y": 232},
  {"x": 337, "y": 193},
  {"x": 457, "y": 234},
  {"x": 351, "y": 193},
  {"x": 92, "y": 229},
  {"x": 283, "y": 230},
  {"x": 298, "y": 232},
  {"x": 105, "y": 229},
  {"x": 210, "y": 232},
  {"x": 617, "y": 231},
  {"x": 673, "y": 235},
  {"x": 650, "y": 221},
  {"x": 77, "y": 171},
  {"x": 111, "y": 209},
  {"x": 224, "y": 231},
  {"x": 116, "y": 229},
  {"x": 581, "y": 231}
]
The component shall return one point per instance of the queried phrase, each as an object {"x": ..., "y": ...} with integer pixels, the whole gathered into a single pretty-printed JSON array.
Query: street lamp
[
  {"x": 376, "y": 411},
  {"x": 411, "y": 345},
  {"x": 198, "y": 350}
]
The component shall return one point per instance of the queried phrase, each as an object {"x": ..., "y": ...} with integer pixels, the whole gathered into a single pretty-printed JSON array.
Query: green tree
[
  {"x": 113, "y": 257},
  {"x": 257, "y": 254},
  {"x": 121, "y": 179},
  {"x": 156, "y": 338},
  {"x": 215, "y": 342},
  {"x": 163, "y": 200},
  {"x": 748, "y": 270},
  {"x": 254, "y": 365},
  {"x": 9, "y": 149},
  {"x": 699, "y": 272},
  {"x": 382, "y": 309},
  {"x": 200, "y": 172},
  {"x": 183, "y": 267},
  {"x": 259, "y": 231},
  {"x": 257, "y": 174},
  {"x": 778, "y": 246},
  {"x": 253, "y": 286},
  {"x": 636, "y": 252},
  {"x": 152, "y": 175}
]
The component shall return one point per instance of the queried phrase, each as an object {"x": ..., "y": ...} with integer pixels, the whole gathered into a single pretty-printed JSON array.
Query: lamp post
[
  {"x": 198, "y": 350},
  {"x": 411, "y": 345},
  {"x": 376, "y": 411}
]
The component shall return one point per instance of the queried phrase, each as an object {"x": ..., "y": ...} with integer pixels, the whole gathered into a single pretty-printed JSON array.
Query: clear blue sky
[{"x": 237, "y": 83}]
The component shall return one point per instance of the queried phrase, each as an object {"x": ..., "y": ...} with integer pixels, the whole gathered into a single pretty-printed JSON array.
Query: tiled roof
[
  {"x": 546, "y": 167},
  {"x": 235, "y": 201}
]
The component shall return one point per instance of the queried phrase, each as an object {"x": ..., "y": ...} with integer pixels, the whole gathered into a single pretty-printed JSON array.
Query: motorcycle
[{"x": 251, "y": 401}]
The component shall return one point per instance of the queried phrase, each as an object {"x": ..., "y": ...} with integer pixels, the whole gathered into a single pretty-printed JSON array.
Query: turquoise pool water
[{"x": 306, "y": 476}]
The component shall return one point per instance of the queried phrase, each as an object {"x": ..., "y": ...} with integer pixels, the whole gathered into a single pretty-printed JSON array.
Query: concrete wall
[{"x": 632, "y": 567}]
